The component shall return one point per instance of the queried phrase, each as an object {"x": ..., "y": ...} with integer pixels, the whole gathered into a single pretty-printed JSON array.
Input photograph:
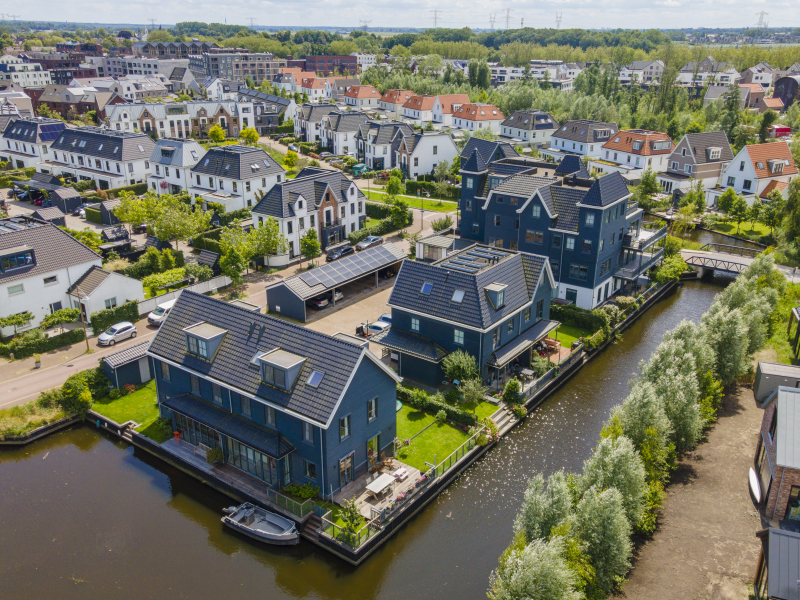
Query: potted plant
[{"x": 37, "y": 358}]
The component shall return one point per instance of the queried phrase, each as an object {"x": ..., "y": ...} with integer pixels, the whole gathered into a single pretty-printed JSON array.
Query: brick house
[{"x": 777, "y": 459}]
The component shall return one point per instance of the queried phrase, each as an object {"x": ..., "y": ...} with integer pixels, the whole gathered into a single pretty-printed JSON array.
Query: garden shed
[
  {"x": 130, "y": 365},
  {"x": 66, "y": 199},
  {"x": 51, "y": 214},
  {"x": 106, "y": 216}
]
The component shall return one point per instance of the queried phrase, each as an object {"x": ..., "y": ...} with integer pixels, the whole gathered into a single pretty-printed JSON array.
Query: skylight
[
  {"x": 194, "y": 155},
  {"x": 426, "y": 289},
  {"x": 458, "y": 296},
  {"x": 205, "y": 163},
  {"x": 141, "y": 149},
  {"x": 315, "y": 378},
  {"x": 100, "y": 147},
  {"x": 266, "y": 162}
]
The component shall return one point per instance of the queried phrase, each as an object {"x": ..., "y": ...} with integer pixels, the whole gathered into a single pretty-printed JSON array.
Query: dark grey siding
[{"x": 290, "y": 305}]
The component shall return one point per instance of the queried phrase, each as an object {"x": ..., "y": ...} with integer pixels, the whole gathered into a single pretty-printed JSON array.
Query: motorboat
[{"x": 261, "y": 524}]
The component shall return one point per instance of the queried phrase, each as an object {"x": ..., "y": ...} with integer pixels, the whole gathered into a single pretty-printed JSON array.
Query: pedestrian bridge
[{"x": 727, "y": 259}]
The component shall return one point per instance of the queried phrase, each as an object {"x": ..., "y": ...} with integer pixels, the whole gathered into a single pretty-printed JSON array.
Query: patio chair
[{"x": 369, "y": 479}]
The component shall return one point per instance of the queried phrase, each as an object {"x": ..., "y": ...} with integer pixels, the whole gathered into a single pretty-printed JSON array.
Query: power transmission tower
[
  {"x": 491, "y": 21},
  {"x": 762, "y": 23},
  {"x": 558, "y": 20},
  {"x": 435, "y": 18},
  {"x": 13, "y": 16},
  {"x": 522, "y": 23},
  {"x": 508, "y": 17},
  {"x": 152, "y": 23},
  {"x": 365, "y": 24},
  {"x": 252, "y": 22}
]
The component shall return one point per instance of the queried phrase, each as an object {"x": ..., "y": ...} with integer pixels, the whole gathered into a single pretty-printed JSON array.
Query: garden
[{"x": 130, "y": 404}]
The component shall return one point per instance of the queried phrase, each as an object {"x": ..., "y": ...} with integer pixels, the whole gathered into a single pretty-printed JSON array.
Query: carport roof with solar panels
[{"x": 288, "y": 296}]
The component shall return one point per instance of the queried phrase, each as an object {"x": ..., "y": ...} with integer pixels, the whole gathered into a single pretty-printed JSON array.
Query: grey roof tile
[
  {"x": 530, "y": 120},
  {"x": 586, "y": 132},
  {"x": 177, "y": 152},
  {"x": 237, "y": 162},
  {"x": 128, "y": 355},
  {"x": 89, "y": 281},
  {"x": 105, "y": 143},
  {"x": 606, "y": 190}
]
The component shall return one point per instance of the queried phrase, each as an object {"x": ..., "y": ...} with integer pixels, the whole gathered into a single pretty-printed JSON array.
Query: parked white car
[
  {"x": 160, "y": 313},
  {"x": 117, "y": 333}
]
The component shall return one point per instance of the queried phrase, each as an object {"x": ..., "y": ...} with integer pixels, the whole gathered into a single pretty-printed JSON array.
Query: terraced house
[
  {"x": 182, "y": 119},
  {"x": 590, "y": 230},
  {"x": 284, "y": 403},
  {"x": 111, "y": 158},
  {"x": 171, "y": 165},
  {"x": 374, "y": 143},
  {"x": 25, "y": 142},
  {"x": 493, "y": 304}
]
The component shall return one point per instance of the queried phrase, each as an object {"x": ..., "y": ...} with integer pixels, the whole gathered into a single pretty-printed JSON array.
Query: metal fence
[
  {"x": 352, "y": 539},
  {"x": 294, "y": 507},
  {"x": 149, "y": 305}
]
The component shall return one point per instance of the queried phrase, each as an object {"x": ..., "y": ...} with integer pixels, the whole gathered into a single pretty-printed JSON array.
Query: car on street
[
  {"x": 338, "y": 253},
  {"x": 318, "y": 302},
  {"x": 160, "y": 313},
  {"x": 369, "y": 242},
  {"x": 325, "y": 155},
  {"x": 293, "y": 148},
  {"x": 117, "y": 333}
]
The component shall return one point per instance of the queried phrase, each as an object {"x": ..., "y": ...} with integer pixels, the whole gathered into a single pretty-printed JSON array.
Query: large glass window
[
  {"x": 764, "y": 471},
  {"x": 251, "y": 461},
  {"x": 344, "y": 428}
]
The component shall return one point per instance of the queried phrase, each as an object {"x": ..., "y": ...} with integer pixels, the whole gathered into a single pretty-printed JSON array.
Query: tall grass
[{"x": 19, "y": 420}]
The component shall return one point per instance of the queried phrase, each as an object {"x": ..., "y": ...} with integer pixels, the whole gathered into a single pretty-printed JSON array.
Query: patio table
[
  {"x": 377, "y": 487},
  {"x": 527, "y": 373}
]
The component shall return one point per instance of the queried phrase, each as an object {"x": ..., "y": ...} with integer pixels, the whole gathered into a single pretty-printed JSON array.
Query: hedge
[
  {"x": 227, "y": 218},
  {"x": 285, "y": 128},
  {"x": 207, "y": 243},
  {"x": 422, "y": 400},
  {"x": 413, "y": 186},
  {"x": 137, "y": 188},
  {"x": 378, "y": 211},
  {"x": 22, "y": 349},
  {"x": 93, "y": 215},
  {"x": 381, "y": 228},
  {"x": 103, "y": 319},
  {"x": 569, "y": 314}
]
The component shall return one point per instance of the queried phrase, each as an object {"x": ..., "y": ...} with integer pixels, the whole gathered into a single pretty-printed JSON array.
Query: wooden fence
[{"x": 147, "y": 306}]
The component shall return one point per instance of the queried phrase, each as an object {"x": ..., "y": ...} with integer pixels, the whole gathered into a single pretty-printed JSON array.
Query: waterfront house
[
  {"x": 756, "y": 170},
  {"x": 171, "y": 165},
  {"x": 697, "y": 156},
  {"x": 234, "y": 176},
  {"x": 323, "y": 200},
  {"x": 591, "y": 230},
  {"x": 493, "y": 304},
  {"x": 284, "y": 403}
]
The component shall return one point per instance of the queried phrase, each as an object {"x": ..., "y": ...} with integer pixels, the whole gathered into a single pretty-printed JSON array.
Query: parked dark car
[
  {"x": 338, "y": 253},
  {"x": 369, "y": 242},
  {"x": 318, "y": 302}
]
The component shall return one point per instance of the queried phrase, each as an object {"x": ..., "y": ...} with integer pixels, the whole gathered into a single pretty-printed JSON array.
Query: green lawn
[
  {"x": 410, "y": 421},
  {"x": 484, "y": 409},
  {"x": 429, "y": 204},
  {"x": 745, "y": 229},
  {"x": 207, "y": 145},
  {"x": 569, "y": 333},
  {"x": 779, "y": 341},
  {"x": 139, "y": 406},
  {"x": 433, "y": 445}
]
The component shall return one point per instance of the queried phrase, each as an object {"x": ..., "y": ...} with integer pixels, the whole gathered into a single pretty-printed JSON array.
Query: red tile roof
[
  {"x": 361, "y": 91},
  {"x": 774, "y": 185},
  {"x": 448, "y": 100},
  {"x": 479, "y": 112},
  {"x": 754, "y": 87},
  {"x": 397, "y": 96},
  {"x": 420, "y": 102},
  {"x": 624, "y": 141},
  {"x": 761, "y": 154},
  {"x": 312, "y": 83},
  {"x": 773, "y": 103}
]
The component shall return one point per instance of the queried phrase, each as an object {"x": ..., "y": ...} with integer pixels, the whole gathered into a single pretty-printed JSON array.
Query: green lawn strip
[
  {"x": 779, "y": 341},
  {"x": 208, "y": 145},
  {"x": 432, "y": 204},
  {"x": 484, "y": 409},
  {"x": 411, "y": 421},
  {"x": 435, "y": 443},
  {"x": 567, "y": 334},
  {"x": 139, "y": 406},
  {"x": 744, "y": 230},
  {"x": 19, "y": 420}
]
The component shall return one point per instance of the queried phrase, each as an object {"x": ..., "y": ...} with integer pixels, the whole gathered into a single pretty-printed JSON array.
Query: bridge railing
[{"x": 735, "y": 250}]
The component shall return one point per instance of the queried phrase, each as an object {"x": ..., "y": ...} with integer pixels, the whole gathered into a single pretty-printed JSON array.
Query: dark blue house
[
  {"x": 590, "y": 229},
  {"x": 285, "y": 403},
  {"x": 492, "y": 303}
]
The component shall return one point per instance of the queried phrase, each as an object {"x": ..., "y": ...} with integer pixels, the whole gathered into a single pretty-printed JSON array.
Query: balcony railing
[
  {"x": 641, "y": 263},
  {"x": 645, "y": 239},
  {"x": 331, "y": 223}
]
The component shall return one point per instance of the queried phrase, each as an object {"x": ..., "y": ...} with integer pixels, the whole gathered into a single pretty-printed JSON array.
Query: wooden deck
[{"x": 357, "y": 489}]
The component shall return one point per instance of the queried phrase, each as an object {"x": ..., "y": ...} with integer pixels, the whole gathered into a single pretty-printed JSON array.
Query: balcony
[
  {"x": 639, "y": 264},
  {"x": 646, "y": 238},
  {"x": 331, "y": 224}
]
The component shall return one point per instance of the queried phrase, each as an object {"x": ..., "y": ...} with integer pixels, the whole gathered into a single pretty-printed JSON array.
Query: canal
[{"x": 85, "y": 516}]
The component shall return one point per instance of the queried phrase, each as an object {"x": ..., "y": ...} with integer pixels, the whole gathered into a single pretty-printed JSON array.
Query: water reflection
[{"x": 89, "y": 517}]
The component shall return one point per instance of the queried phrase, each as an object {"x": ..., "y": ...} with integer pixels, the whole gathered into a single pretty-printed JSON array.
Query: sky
[{"x": 588, "y": 14}]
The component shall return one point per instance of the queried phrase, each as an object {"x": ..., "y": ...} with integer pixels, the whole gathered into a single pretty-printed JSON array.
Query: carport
[{"x": 288, "y": 297}]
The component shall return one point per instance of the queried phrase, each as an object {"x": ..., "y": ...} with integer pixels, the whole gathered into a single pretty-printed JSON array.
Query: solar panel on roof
[{"x": 462, "y": 269}]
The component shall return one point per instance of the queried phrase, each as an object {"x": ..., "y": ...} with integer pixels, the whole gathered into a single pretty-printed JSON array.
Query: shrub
[
  {"x": 421, "y": 400},
  {"x": 614, "y": 314},
  {"x": 541, "y": 365},
  {"x": 303, "y": 491},
  {"x": 93, "y": 214},
  {"x": 511, "y": 393},
  {"x": 543, "y": 507},
  {"x": 103, "y": 319},
  {"x": 570, "y": 314},
  {"x": 519, "y": 411},
  {"x": 28, "y": 345},
  {"x": 460, "y": 366},
  {"x": 441, "y": 416},
  {"x": 452, "y": 395},
  {"x": 670, "y": 270},
  {"x": 382, "y": 228},
  {"x": 214, "y": 455},
  {"x": 625, "y": 303},
  {"x": 114, "y": 394},
  {"x": 377, "y": 211}
]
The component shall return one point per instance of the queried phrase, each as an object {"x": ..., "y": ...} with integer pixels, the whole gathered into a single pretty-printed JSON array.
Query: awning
[
  {"x": 505, "y": 354},
  {"x": 242, "y": 430},
  {"x": 410, "y": 343}
]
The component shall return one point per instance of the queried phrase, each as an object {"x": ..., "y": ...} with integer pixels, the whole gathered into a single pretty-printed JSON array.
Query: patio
[{"x": 365, "y": 500}]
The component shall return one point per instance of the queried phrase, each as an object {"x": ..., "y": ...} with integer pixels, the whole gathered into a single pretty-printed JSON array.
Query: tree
[
  {"x": 473, "y": 392},
  {"x": 199, "y": 272},
  {"x": 442, "y": 224},
  {"x": 767, "y": 119},
  {"x": 727, "y": 200},
  {"x": 739, "y": 211},
  {"x": 484, "y": 133},
  {"x": 648, "y": 187},
  {"x": 726, "y": 333},
  {"x": 441, "y": 170},
  {"x": 615, "y": 463},
  {"x": 290, "y": 160},
  {"x": 266, "y": 239},
  {"x": 695, "y": 197},
  {"x": 309, "y": 244},
  {"x": 395, "y": 186},
  {"x": 731, "y": 103},
  {"x": 233, "y": 264},
  {"x": 59, "y": 317},
  {"x": 460, "y": 366},
  {"x": 792, "y": 209},
  {"x": 249, "y": 136},
  {"x": 601, "y": 524},
  {"x": 537, "y": 571},
  {"x": 216, "y": 134},
  {"x": 398, "y": 212},
  {"x": 180, "y": 221},
  {"x": 17, "y": 320},
  {"x": 754, "y": 213},
  {"x": 543, "y": 507}
]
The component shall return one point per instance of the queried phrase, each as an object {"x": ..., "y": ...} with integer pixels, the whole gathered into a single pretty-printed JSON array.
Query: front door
[
  {"x": 346, "y": 470},
  {"x": 572, "y": 295}
]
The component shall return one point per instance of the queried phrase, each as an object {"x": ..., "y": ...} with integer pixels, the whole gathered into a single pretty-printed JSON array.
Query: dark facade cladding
[
  {"x": 455, "y": 307},
  {"x": 582, "y": 225},
  {"x": 328, "y": 64},
  {"x": 352, "y": 405}
]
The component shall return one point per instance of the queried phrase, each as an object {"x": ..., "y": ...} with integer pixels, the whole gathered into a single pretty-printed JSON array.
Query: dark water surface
[{"x": 85, "y": 516}]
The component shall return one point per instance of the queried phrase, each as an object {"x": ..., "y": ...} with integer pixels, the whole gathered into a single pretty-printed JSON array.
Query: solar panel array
[
  {"x": 50, "y": 132},
  {"x": 348, "y": 268}
]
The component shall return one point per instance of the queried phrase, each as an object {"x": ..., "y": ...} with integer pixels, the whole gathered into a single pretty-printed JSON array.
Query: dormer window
[
  {"x": 203, "y": 339},
  {"x": 198, "y": 346},
  {"x": 776, "y": 166},
  {"x": 497, "y": 294},
  {"x": 16, "y": 258},
  {"x": 714, "y": 153},
  {"x": 280, "y": 368}
]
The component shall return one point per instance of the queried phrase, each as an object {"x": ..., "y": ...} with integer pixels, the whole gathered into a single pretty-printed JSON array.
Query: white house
[
  {"x": 419, "y": 153},
  {"x": 338, "y": 131},
  {"x": 531, "y": 127},
  {"x": 234, "y": 176},
  {"x": 98, "y": 289},
  {"x": 392, "y": 102},
  {"x": 446, "y": 105},
  {"x": 171, "y": 165},
  {"x": 323, "y": 200},
  {"x": 365, "y": 61},
  {"x": 375, "y": 140},
  {"x": 315, "y": 88},
  {"x": 25, "y": 75},
  {"x": 419, "y": 109},
  {"x": 362, "y": 96},
  {"x": 584, "y": 138},
  {"x": 633, "y": 149},
  {"x": 756, "y": 170},
  {"x": 478, "y": 116},
  {"x": 38, "y": 265},
  {"x": 111, "y": 158},
  {"x": 26, "y": 142},
  {"x": 182, "y": 119},
  {"x": 308, "y": 120},
  {"x": 220, "y": 89}
]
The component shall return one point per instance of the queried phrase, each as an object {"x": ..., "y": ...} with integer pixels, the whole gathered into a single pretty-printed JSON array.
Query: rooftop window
[
  {"x": 315, "y": 378},
  {"x": 458, "y": 296},
  {"x": 426, "y": 289}
]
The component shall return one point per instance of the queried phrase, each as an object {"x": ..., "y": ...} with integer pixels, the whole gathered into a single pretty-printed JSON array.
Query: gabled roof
[
  {"x": 479, "y": 112},
  {"x": 761, "y": 154},
  {"x": 474, "y": 163},
  {"x": 773, "y": 185},
  {"x": 237, "y": 162},
  {"x": 128, "y": 355},
  {"x": 588, "y": 132},
  {"x": 346, "y": 122},
  {"x": 420, "y": 103},
  {"x": 53, "y": 248},
  {"x": 34, "y": 130},
  {"x": 522, "y": 184},
  {"x": 105, "y": 143},
  {"x": 570, "y": 164},
  {"x": 48, "y": 213},
  {"x": 447, "y": 102},
  {"x": 396, "y": 96},
  {"x": 519, "y": 272},
  {"x": 87, "y": 283},
  {"x": 313, "y": 113},
  {"x": 248, "y": 334},
  {"x": 606, "y": 190},
  {"x": 310, "y": 183},
  {"x": 773, "y": 103},
  {"x": 177, "y": 152},
  {"x": 649, "y": 142},
  {"x": 530, "y": 120},
  {"x": 699, "y": 143},
  {"x": 361, "y": 91},
  {"x": 489, "y": 151},
  {"x": 562, "y": 201}
]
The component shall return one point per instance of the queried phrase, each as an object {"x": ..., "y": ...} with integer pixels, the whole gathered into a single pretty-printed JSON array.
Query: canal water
[
  {"x": 85, "y": 516},
  {"x": 704, "y": 236}
]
